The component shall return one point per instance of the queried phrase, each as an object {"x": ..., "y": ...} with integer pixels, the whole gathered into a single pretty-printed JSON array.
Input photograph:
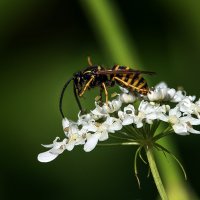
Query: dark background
[{"x": 42, "y": 44}]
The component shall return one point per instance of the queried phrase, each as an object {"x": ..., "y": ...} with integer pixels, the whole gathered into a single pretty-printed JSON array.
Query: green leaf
[
  {"x": 173, "y": 156},
  {"x": 121, "y": 138},
  {"x": 135, "y": 164},
  {"x": 161, "y": 135}
]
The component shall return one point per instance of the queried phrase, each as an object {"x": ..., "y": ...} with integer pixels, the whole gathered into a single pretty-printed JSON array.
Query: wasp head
[{"x": 79, "y": 81}]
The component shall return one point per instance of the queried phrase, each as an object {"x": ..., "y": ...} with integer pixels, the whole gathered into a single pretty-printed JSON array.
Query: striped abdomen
[{"x": 132, "y": 81}]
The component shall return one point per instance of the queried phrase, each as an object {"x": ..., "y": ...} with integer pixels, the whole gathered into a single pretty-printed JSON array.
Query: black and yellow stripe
[
  {"x": 125, "y": 77},
  {"x": 133, "y": 81},
  {"x": 140, "y": 84}
]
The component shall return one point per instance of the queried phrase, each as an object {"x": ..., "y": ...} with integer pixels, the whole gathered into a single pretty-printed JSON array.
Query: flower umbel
[{"x": 162, "y": 104}]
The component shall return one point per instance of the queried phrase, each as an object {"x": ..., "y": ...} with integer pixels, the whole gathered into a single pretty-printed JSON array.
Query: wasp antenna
[
  {"x": 89, "y": 61},
  {"x": 61, "y": 96}
]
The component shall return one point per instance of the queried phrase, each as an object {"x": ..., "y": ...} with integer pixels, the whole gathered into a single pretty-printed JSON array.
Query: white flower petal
[
  {"x": 90, "y": 127},
  {"x": 180, "y": 129},
  {"x": 116, "y": 126},
  {"x": 171, "y": 92},
  {"x": 175, "y": 112},
  {"x": 83, "y": 119},
  {"x": 51, "y": 145},
  {"x": 151, "y": 116},
  {"x": 91, "y": 143},
  {"x": 178, "y": 96},
  {"x": 127, "y": 98},
  {"x": 149, "y": 121},
  {"x": 121, "y": 115},
  {"x": 47, "y": 145},
  {"x": 191, "y": 120},
  {"x": 46, "y": 157},
  {"x": 113, "y": 123},
  {"x": 104, "y": 136},
  {"x": 124, "y": 90},
  {"x": 70, "y": 145},
  {"x": 116, "y": 104},
  {"x": 162, "y": 117},
  {"x": 191, "y": 130},
  {"x": 127, "y": 120},
  {"x": 161, "y": 85},
  {"x": 65, "y": 123},
  {"x": 96, "y": 112},
  {"x": 130, "y": 108}
]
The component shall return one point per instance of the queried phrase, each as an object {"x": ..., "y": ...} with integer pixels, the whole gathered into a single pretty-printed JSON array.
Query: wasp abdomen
[{"x": 133, "y": 81}]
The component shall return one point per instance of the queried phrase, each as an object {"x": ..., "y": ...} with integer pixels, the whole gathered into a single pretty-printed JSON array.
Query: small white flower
[
  {"x": 90, "y": 127},
  {"x": 116, "y": 104},
  {"x": 127, "y": 117},
  {"x": 182, "y": 124},
  {"x": 149, "y": 112},
  {"x": 72, "y": 129},
  {"x": 69, "y": 127},
  {"x": 106, "y": 109},
  {"x": 126, "y": 96},
  {"x": 161, "y": 93},
  {"x": 100, "y": 111},
  {"x": 114, "y": 124},
  {"x": 74, "y": 139},
  {"x": 179, "y": 96},
  {"x": 100, "y": 132},
  {"x": 56, "y": 149},
  {"x": 84, "y": 119},
  {"x": 186, "y": 105}
]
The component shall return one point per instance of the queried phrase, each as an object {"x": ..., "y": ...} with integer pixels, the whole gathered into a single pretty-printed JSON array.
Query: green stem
[
  {"x": 155, "y": 173},
  {"x": 119, "y": 143}
]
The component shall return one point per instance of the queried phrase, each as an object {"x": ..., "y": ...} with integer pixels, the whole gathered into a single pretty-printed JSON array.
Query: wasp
[{"x": 97, "y": 76}]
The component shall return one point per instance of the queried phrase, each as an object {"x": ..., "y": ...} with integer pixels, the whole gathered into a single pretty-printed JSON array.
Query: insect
[{"x": 97, "y": 76}]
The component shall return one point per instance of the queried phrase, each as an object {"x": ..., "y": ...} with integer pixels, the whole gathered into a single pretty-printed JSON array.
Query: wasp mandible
[{"x": 97, "y": 76}]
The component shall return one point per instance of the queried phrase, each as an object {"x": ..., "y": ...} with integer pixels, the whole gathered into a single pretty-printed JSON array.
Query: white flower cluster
[{"x": 161, "y": 103}]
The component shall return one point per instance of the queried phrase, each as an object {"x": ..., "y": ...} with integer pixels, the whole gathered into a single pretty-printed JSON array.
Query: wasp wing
[{"x": 124, "y": 71}]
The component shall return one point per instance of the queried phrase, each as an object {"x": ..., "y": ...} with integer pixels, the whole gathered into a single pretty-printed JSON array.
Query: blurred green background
[{"x": 42, "y": 44}]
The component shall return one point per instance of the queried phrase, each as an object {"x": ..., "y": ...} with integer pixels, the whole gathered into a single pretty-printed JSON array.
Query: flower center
[{"x": 173, "y": 119}]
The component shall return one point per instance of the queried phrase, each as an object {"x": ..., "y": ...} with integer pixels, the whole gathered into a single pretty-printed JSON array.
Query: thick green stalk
[
  {"x": 111, "y": 31},
  {"x": 155, "y": 173},
  {"x": 177, "y": 187}
]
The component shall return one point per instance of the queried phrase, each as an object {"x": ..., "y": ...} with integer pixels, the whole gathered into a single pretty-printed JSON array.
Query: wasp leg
[
  {"x": 89, "y": 61},
  {"x": 62, "y": 95},
  {"x": 97, "y": 98},
  {"x": 77, "y": 99},
  {"x": 129, "y": 85},
  {"x": 86, "y": 86},
  {"x": 106, "y": 92},
  {"x": 100, "y": 95}
]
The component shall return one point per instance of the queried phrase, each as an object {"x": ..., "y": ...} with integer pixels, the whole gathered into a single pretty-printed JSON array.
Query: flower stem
[{"x": 155, "y": 173}]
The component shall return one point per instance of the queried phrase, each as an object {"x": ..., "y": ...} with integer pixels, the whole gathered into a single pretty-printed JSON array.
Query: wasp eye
[{"x": 87, "y": 76}]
